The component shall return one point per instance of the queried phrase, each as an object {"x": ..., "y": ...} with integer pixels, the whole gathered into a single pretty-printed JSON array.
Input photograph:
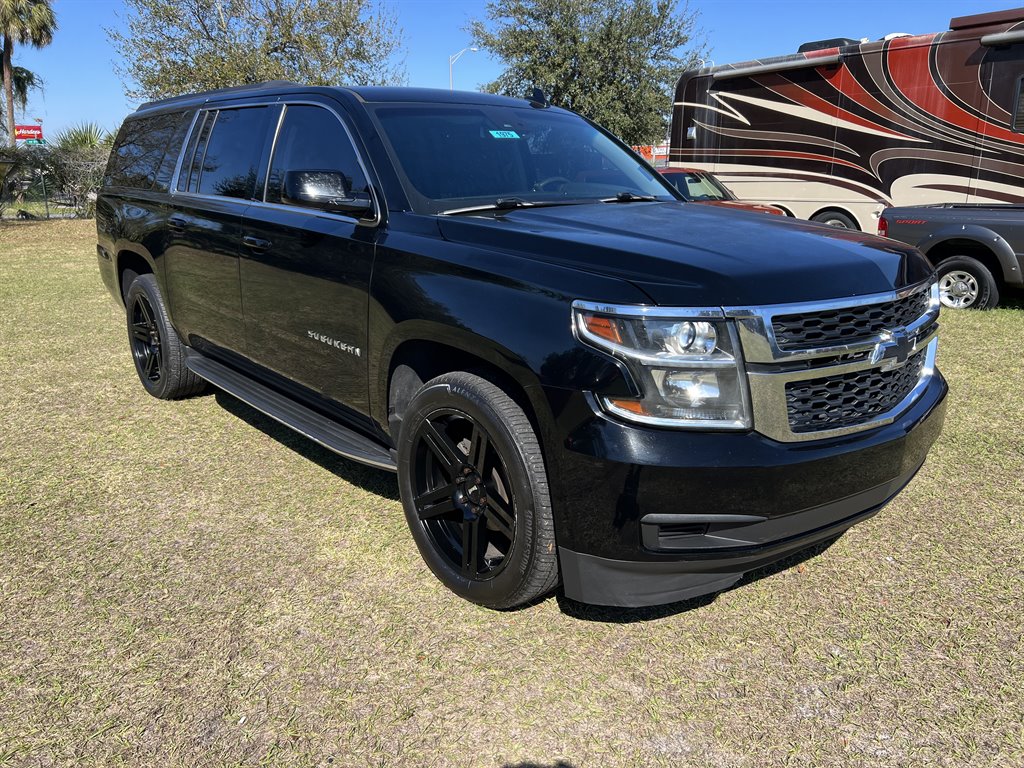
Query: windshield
[
  {"x": 456, "y": 155},
  {"x": 699, "y": 186}
]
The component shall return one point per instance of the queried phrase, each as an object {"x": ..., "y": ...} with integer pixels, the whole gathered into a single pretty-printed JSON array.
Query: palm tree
[
  {"x": 85, "y": 135},
  {"x": 28, "y": 22},
  {"x": 23, "y": 81}
]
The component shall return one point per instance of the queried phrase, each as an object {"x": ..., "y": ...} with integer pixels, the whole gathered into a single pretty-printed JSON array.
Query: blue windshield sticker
[{"x": 504, "y": 134}]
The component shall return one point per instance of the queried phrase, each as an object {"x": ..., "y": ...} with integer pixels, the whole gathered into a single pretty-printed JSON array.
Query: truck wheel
[
  {"x": 158, "y": 352},
  {"x": 835, "y": 219},
  {"x": 966, "y": 283},
  {"x": 475, "y": 492}
]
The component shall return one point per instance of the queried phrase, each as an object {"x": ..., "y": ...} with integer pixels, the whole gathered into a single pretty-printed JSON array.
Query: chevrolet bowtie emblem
[{"x": 893, "y": 350}]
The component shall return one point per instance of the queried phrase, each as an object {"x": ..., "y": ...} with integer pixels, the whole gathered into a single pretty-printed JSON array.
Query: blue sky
[{"x": 81, "y": 84}]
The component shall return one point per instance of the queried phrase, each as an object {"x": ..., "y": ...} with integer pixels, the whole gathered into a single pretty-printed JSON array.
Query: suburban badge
[{"x": 352, "y": 350}]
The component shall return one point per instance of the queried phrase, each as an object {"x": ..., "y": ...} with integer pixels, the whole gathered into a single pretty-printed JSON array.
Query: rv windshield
[{"x": 452, "y": 156}]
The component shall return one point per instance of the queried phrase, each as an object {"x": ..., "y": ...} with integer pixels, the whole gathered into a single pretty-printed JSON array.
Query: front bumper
[{"x": 647, "y": 516}]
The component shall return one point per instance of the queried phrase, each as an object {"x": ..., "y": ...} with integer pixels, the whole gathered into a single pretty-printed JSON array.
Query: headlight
[{"x": 687, "y": 363}]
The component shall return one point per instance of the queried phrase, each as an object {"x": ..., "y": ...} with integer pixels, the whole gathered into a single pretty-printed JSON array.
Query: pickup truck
[
  {"x": 578, "y": 377},
  {"x": 977, "y": 249}
]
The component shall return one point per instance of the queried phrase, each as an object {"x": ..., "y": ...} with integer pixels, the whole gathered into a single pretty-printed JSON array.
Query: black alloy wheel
[
  {"x": 464, "y": 500},
  {"x": 157, "y": 351},
  {"x": 475, "y": 491},
  {"x": 145, "y": 340}
]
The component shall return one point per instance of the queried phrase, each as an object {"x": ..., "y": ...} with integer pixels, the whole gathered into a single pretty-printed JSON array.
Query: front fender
[{"x": 511, "y": 312}]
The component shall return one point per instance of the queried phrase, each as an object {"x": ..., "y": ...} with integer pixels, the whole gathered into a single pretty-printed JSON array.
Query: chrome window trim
[
  {"x": 202, "y": 161},
  {"x": 181, "y": 152},
  {"x": 273, "y": 148},
  {"x": 284, "y": 102}
]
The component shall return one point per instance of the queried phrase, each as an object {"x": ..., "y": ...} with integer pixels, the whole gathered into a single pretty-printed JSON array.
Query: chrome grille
[
  {"x": 846, "y": 325},
  {"x": 833, "y": 402},
  {"x": 829, "y": 368}
]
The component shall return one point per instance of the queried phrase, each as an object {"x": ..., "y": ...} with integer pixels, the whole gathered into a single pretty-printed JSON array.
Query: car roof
[
  {"x": 432, "y": 95},
  {"x": 366, "y": 94}
]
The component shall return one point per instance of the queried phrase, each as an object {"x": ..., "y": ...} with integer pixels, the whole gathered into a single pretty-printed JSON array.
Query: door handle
[
  {"x": 176, "y": 223},
  {"x": 256, "y": 243}
]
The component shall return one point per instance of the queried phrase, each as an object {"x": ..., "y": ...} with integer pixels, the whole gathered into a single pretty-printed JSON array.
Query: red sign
[{"x": 28, "y": 132}]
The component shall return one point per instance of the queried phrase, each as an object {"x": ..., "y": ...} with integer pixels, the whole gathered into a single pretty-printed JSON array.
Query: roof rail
[{"x": 218, "y": 92}]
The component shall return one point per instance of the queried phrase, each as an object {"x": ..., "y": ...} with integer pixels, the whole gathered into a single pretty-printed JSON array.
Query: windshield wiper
[
  {"x": 629, "y": 197},
  {"x": 507, "y": 204}
]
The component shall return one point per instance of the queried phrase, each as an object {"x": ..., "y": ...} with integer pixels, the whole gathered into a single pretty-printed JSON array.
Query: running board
[{"x": 307, "y": 422}]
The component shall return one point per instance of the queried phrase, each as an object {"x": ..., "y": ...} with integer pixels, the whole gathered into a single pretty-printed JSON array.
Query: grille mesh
[
  {"x": 849, "y": 399},
  {"x": 848, "y": 325}
]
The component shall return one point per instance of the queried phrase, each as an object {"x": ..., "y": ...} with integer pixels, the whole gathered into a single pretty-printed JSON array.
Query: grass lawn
[{"x": 187, "y": 583}]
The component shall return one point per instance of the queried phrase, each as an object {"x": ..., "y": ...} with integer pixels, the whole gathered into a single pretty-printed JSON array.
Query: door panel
[
  {"x": 201, "y": 268},
  {"x": 216, "y": 184},
  {"x": 305, "y": 297},
  {"x": 305, "y": 273}
]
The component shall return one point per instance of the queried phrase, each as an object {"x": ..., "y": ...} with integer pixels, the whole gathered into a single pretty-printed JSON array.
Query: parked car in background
[
  {"x": 702, "y": 187},
  {"x": 577, "y": 376},
  {"x": 977, "y": 249}
]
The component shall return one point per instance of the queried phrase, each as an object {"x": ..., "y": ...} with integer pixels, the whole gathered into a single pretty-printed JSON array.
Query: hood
[
  {"x": 739, "y": 205},
  {"x": 682, "y": 254}
]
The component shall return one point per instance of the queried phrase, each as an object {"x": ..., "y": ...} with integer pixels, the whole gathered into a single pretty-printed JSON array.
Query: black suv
[{"x": 577, "y": 376}]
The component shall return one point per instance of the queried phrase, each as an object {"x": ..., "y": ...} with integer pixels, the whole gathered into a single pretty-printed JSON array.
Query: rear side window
[
  {"x": 140, "y": 149},
  {"x": 313, "y": 139},
  {"x": 227, "y": 165},
  {"x": 166, "y": 169}
]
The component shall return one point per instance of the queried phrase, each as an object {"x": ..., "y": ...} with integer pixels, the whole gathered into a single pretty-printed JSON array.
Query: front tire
[
  {"x": 966, "y": 283},
  {"x": 156, "y": 349},
  {"x": 475, "y": 492}
]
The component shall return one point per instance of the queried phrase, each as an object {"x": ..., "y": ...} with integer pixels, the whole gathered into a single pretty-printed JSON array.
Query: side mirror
[{"x": 329, "y": 191}]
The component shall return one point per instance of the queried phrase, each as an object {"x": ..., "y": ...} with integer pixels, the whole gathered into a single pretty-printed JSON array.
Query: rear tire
[
  {"x": 835, "y": 219},
  {"x": 966, "y": 283},
  {"x": 156, "y": 348},
  {"x": 475, "y": 492}
]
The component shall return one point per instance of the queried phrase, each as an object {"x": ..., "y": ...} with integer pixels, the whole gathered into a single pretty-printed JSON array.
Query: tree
[
  {"x": 171, "y": 47},
  {"x": 27, "y": 22},
  {"x": 75, "y": 163},
  {"x": 23, "y": 81},
  {"x": 613, "y": 61}
]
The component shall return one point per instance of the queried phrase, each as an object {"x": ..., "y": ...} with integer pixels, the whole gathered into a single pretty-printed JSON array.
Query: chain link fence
[{"x": 44, "y": 183}]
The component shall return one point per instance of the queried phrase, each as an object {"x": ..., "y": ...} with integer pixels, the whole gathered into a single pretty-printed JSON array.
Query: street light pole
[{"x": 451, "y": 63}]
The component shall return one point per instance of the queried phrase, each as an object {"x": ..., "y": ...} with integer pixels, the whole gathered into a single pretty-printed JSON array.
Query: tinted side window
[
  {"x": 234, "y": 148},
  {"x": 166, "y": 169},
  {"x": 312, "y": 139},
  {"x": 140, "y": 148}
]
